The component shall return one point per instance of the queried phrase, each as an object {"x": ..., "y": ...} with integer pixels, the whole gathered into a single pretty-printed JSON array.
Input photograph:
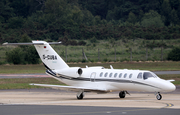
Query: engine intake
[
  {"x": 80, "y": 71},
  {"x": 70, "y": 72}
]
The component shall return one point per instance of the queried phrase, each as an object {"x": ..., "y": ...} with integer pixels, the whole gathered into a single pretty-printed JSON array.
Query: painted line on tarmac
[{"x": 169, "y": 105}]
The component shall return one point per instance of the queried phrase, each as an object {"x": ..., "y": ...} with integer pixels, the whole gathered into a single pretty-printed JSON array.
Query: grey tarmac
[
  {"x": 57, "y": 102},
  {"x": 82, "y": 110}
]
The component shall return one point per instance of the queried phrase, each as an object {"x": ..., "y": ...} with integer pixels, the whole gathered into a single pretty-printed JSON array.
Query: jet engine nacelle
[{"x": 70, "y": 72}]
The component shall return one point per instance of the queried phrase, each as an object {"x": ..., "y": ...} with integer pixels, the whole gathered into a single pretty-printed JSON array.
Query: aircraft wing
[{"x": 71, "y": 88}]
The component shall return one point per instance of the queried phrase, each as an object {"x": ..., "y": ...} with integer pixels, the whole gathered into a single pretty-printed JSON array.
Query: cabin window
[
  {"x": 139, "y": 76},
  {"x": 115, "y": 75},
  {"x": 147, "y": 75},
  {"x": 105, "y": 75},
  {"x": 110, "y": 75},
  {"x": 125, "y": 75},
  {"x": 120, "y": 75},
  {"x": 130, "y": 76},
  {"x": 101, "y": 74}
]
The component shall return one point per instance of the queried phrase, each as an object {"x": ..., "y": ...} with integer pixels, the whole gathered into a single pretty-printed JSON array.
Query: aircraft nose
[{"x": 170, "y": 87}]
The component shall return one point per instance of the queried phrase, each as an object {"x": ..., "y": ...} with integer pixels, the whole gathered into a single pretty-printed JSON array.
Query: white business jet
[{"x": 97, "y": 79}]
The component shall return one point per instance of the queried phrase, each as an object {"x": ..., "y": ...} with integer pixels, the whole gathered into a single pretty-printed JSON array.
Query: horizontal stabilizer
[{"x": 51, "y": 43}]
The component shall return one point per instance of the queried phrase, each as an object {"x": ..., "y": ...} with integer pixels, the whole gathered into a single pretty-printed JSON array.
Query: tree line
[
  {"x": 71, "y": 20},
  {"x": 54, "y": 20}
]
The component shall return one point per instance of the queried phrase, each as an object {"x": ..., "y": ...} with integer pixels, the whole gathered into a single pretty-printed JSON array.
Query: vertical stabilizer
[{"x": 49, "y": 56}]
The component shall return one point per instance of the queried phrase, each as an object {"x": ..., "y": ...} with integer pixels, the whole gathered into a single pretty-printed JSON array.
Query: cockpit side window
[
  {"x": 139, "y": 76},
  {"x": 147, "y": 75}
]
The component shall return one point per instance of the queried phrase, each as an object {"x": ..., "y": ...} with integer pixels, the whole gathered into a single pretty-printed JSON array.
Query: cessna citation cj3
[{"x": 97, "y": 79}]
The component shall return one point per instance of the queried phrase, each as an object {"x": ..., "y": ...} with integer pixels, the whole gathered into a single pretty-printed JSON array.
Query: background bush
[
  {"x": 174, "y": 55},
  {"x": 25, "y": 55}
]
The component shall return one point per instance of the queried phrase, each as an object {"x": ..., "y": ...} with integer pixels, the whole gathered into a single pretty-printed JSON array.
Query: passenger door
[{"x": 93, "y": 77}]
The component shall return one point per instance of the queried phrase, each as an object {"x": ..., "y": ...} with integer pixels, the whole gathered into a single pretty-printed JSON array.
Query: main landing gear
[
  {"x": 122, "y": 94},
  {"x": 158, "y": 96},
  {"x": 80, "y": 95}
]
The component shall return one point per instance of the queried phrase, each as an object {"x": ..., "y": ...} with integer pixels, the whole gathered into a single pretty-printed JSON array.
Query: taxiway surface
[{"x": 57, "y": 102}]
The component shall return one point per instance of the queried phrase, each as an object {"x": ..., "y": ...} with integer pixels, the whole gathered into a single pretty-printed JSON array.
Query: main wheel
[
  {"x": 122, "y": 94},
  {"x": 158, "y": 96},
  {"x": 80, "y": 96}
]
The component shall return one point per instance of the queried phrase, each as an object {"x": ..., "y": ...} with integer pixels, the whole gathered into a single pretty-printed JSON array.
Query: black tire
[
  {"x": 80, "y": 96},
  {"x": 122, "y": 94},
  {"x": 158, "y": 96}
]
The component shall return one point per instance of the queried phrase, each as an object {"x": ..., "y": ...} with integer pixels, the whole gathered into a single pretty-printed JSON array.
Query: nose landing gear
[{"x": 158, "y": 96}]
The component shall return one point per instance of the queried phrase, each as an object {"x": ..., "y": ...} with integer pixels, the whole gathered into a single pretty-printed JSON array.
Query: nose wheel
[{"x": 158, "y": 96}]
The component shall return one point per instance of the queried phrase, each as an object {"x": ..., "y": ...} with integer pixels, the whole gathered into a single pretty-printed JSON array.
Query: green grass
[
  {"x": 18, "y": 69},
  {"x": 18, "y": 83},
  {"x": 152, "y": 66}
]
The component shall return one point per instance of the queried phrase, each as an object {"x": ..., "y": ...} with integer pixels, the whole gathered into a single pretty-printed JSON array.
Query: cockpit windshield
[
  {"x": 155, "y": 75},
  {"x": 147, "y": 75}
]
